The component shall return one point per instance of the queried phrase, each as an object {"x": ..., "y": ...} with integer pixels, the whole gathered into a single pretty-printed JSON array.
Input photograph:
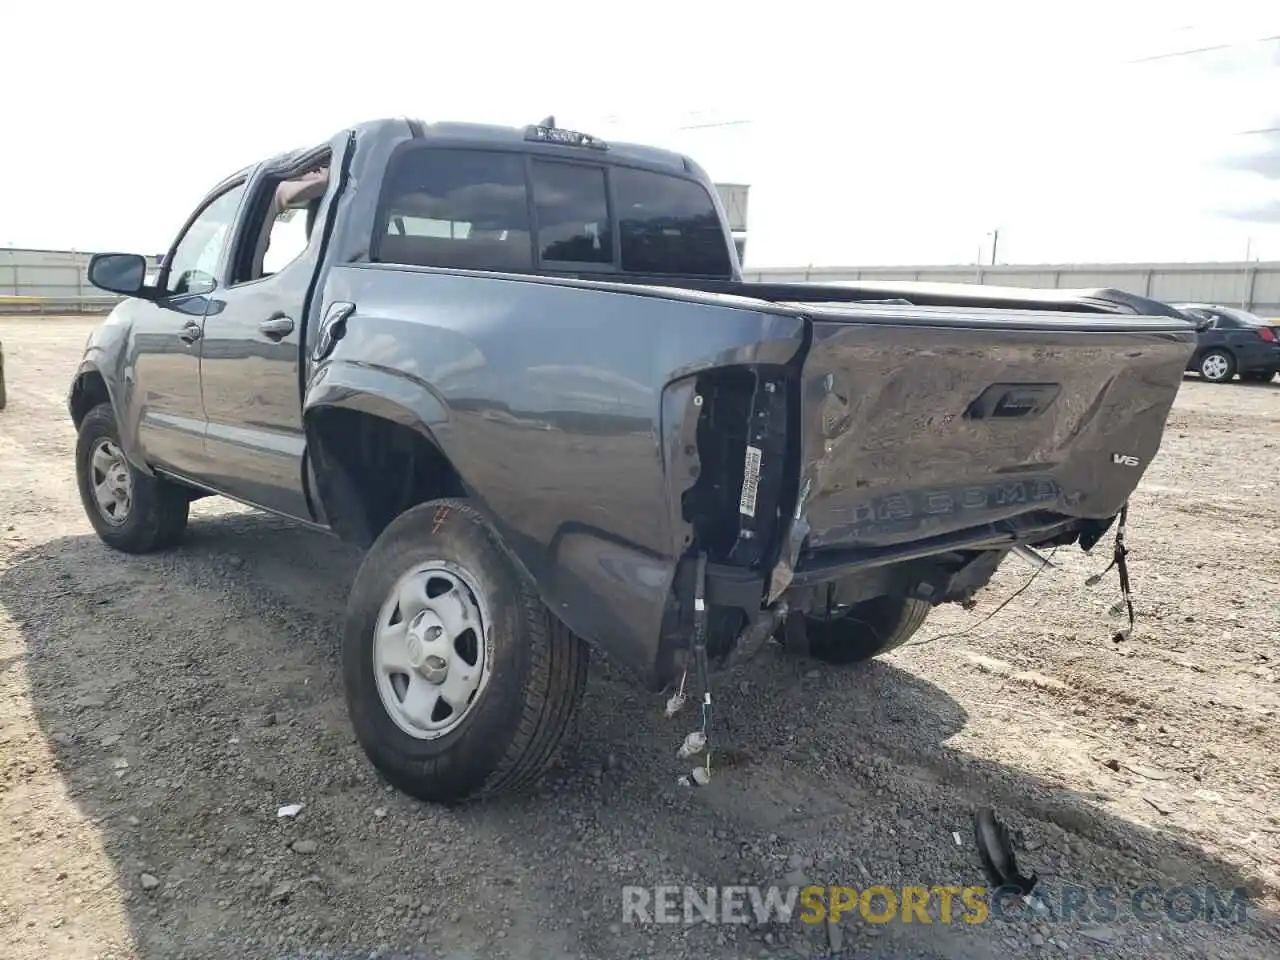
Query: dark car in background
[{"x": 1232, "y": 341}]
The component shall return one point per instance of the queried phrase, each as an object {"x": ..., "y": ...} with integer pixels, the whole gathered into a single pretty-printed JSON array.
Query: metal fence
[
  {"x": 1250, "y": 285},
  {"x": 48, "y": 281}
]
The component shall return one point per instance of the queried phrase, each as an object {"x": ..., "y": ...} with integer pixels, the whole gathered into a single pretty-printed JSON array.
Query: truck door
[
  {"x": 249, "y": 361},
  {"x": 166, "y": 339}
]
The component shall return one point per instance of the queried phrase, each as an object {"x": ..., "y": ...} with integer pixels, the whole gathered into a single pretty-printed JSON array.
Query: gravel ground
[{"x": 156, "y": 712}]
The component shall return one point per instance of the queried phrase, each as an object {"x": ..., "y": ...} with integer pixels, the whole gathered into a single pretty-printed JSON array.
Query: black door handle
[
  {"x": 191, "y": 332},
  {"x": 277, "y": 328}
]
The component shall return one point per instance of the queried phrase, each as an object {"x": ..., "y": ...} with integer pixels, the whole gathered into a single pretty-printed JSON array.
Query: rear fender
[{"x": 364, "y": 389}]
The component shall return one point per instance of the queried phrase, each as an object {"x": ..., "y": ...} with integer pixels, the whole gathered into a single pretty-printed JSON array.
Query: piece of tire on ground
[
  {"x": 1217, "y": 366},
  {"x": 868, "y": 629},
  {"x": 508, "y": 734},
  {"x": 158, "y": 509}
]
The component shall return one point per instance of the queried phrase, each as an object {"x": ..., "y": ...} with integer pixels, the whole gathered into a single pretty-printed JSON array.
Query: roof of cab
[
  {"x": 492, "y": 135},
  {"x": 482, "y": 134}
]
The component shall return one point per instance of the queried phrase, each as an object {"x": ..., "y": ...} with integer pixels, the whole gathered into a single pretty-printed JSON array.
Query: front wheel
[
  {"x": 866, "y": 629},
  {"x": 460, "y": 683},
  {"x": 129, "y": 510}
]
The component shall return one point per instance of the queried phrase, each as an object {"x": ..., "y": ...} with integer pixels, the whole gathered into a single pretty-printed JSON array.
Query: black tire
[
  {"x": 510, "y": 731},
  {"x": 867, "y": 630},
  {"x": 1213, "y": 369},
  {"x": 1258, "y": 376},
  {"x": 156, "y": 518}
]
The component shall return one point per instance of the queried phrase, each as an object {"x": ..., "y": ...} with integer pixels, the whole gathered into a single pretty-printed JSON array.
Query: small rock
[
  {"x": 110, "y": 741},
  {"x": 813, "y": 674},
  {"x": 269, "y": 720},
  {"x": 149, "y": 881},
  {"x": 281, "y": 891},
  {"x": 289, "y": 810},
  {"x": 1099, "y": 934},
  {"x": 305, "y": 846},
  {"x": 90, "y": 703},
  {"x": 1037, "y": 940},
  {"x": 1040, "y": 681},
  {"x": 132, "y": 821},
  {"x": 1111, "y": 763},
  {"x": 120, "y": 763},
  {"x": 380, "y": 812}
]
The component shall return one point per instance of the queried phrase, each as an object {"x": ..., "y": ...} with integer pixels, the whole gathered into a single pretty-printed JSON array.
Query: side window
[
  {"x": 573, "y": 213},
  {"x": 467, "y": 209},
  {"x": 286, "y": 241},
  {"x": 278, "y": 230},
  {"x": 195, "y": 258},
  {"x": 669, "y": 225}
]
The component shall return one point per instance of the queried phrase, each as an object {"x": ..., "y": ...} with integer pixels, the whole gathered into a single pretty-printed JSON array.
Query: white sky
[{"x": 879, "y": 133}]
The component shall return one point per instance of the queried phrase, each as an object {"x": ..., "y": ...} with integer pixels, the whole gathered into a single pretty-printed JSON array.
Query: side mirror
[{"x": 124, "y": 273}]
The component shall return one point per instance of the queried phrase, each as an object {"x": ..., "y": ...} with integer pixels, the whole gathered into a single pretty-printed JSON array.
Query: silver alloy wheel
[
  {"x": 1215, "y": 366},
  {"x": 431, "y": 650},
  {"x": 111, "y": 480}
]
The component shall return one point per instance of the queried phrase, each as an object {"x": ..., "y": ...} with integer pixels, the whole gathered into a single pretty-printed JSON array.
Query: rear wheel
[
  {"x": 129, "y": 510},
  {"x": 1217, "y": 366},
  {"x": 866, "y": 629},
  {"x": 460, "y": 683}
]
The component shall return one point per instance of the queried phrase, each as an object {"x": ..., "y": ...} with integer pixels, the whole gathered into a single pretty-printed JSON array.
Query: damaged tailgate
[{"x": 919, "y": 422}]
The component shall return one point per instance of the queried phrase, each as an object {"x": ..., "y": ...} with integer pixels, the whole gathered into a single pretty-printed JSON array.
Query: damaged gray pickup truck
[{"x": 521, "y": 369}]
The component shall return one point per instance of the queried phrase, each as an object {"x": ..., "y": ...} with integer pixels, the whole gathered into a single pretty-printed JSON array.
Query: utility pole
[{"x": 995, "y": 242}]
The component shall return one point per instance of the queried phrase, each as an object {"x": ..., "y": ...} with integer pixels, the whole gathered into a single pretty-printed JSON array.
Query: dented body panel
[
  {"x": 567, "y": 411},
  {"x": 917, "y": 424}
]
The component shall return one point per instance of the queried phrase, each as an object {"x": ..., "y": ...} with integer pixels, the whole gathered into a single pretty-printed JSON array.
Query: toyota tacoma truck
[{"x": 520, "y": 368}]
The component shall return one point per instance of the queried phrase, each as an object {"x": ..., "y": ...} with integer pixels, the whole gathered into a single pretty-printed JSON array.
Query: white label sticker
[{"x": 750, "y": 482}]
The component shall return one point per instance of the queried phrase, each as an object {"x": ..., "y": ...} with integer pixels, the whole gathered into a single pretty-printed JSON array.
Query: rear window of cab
[{"x": 508, "y": 211}]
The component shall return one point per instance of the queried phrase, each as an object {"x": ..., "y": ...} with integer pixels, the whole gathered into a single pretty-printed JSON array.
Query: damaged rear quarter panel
[{"x": 565, "y": 409}]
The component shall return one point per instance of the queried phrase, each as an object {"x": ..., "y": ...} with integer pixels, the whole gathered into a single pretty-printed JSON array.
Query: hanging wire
[{"x": 1008, "y": 600}]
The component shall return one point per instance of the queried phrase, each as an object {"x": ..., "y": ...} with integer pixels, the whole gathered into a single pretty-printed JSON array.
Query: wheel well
[
  {"x": 89, "y": 390},
  {"x": 368, "y": 470}
]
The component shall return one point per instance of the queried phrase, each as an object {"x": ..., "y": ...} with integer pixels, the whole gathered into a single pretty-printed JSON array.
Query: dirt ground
[{"x": 155, "y": 712}]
